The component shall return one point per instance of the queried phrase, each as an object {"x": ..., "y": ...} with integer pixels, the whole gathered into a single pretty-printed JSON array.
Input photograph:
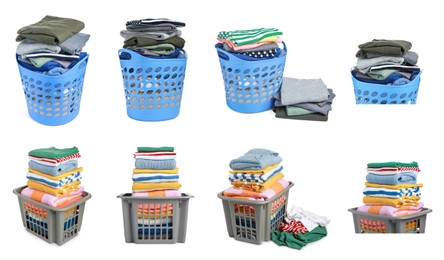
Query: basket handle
[
  {"x": 223, "y": 54},
  {"x": 82, "y": 63}
]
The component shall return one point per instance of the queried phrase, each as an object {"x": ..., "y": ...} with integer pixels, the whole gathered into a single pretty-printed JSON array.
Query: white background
[{"x": 325, "y": 160}]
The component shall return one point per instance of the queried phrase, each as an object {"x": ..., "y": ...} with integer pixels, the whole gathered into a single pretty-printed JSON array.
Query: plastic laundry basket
[
  {"x": 368, "y": 93},
  {"x": 54, "y": 100},
  {"x": 254, "y": 221},
  {"x": 250, "y": 86},
  {"x": 372, "y": 223},
  {"x": 153, "y": 87},
  {"x": 155, "y": 220},
  {"x": 54, "y": 225}
]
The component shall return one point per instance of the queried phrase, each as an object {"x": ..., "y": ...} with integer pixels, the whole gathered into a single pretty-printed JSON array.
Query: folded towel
[
  {"x": 255, "y": 159},
  {"x": 155, "y": 149},
  {"x": 158, "y": 193},
  {"x": 58, "y": 192},
  {"x": 53, "y": 201},
  {"x": 395, "y": 202},
  {"x": 254, "y": 186},
  {"x": 54, "y": 170},
  {"x": 401, "y": 178},
  {"x": 53, "y": 162},
  {"x": 392, "y": 164},
  {"x": 393, "y": 187},
  {"x": 391, "y": 211},
  {"x": 155, "y": 177},
  {"x": 240, "y": 193},
  {"x": 55, "y": 182},
  {"x": 167, "y": 164},
  {"x": 260, "y": 171},
  {"x": 259, "y": 178},
  {"x": 149, "y": 156},
  {"x": 390, "y": 193},
  {"x": 54, "y": 153},
  {"x": 392, "y": 170},
  {"x": 143, "y": 186},
  {"x": 151, "y": 171}
]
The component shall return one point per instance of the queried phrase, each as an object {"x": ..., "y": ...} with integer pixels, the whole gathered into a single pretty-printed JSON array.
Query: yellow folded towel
[
  {"x": 58, "y": 177},
  {"x": 395, "y": 202},
  {"x": 261, "y": 171},
  {"x": 270, "y": 39},
  {"x": 149, "y": 186},
  {"x": 58, "y": 192},
  {"x": 254, "y": 186},
  {"x": 173, "y": 171},
  {"x": 393, "y": 187}
]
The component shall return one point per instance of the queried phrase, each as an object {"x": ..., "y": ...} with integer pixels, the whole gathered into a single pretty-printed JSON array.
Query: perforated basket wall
[
  {"x": 372, "y": 223},
  {"x": 253, "y": 221},
  {"x": 153, "y": 87},
  {"x": 53, "y": 225},
  {"x": 251, "y": 85},
  {"x": 54, "y": 100},
  {"x": 367, "y": 93}
]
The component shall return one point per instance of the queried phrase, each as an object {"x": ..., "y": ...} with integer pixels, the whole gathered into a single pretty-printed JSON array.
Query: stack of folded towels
[
  {"x": 392, "y": 189},
  {"x": 254, "y": 44},
  {"x": 303, "y": 99},
  {"x": 51, "y": 46},
  {"x": 154, "y": 38},
  {"x": 386, "y": 62},
  {"x": 54, "y": 176}
]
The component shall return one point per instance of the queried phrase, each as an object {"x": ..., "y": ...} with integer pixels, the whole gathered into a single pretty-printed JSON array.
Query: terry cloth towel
[
  {"x": 155, "y": 164},
  {"x": 75, "y": 43},
  {"x": 255, "y": 159},
  {"x": 59, "y": 192},
  {"x": 392, "y": 164},
  {"x": 395, "y": 202},
  {"x": 391, "y": 211},
  {"x": 259, "y": 178},
  {"x": 55, "y": 182},
  {"x": 53, "y": 153},
  {"x": 150, "y": 171},
  {"x": 30, "y": 46},
  {"x": 242, "y": 37},
  {"x": 364, "y": 65},
  {"x": 401, "y": 178},
  {"x": 155, "y": 177},
  {"x": 385, "y": 47},
  {"x": 393, "y": 187},
  {"x": 55, "y": 169},
  {"x": 158, "y": 193},
  {"x": 392, "y": 170},
  {"x": 177, "y": 41},
  {"x": 254, "y": 186},
  {"x": 391, "y": 193},
  {"x": 277, "y": 187},
  {"x": 281, "y": 112},
  {"x": 299, "y": 240},
  {"x": 295, "y": 91},
  {"x": 51, "y": 30},
  {"x": 143, "y": 186},
  {"x": 53, "y": 201}
]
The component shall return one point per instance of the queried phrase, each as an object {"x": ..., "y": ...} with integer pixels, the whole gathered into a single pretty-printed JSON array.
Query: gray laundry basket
[
  {"x": 254, "y": 221},
  {"x": 151, "y": 227},
  {"x": 372, "y": 223},
  {"x": 54, "y": 225}
]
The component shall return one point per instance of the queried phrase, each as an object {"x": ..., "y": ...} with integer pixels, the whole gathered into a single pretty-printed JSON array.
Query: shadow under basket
[
  {"x": 250, "y": 86},
  {"x": 254, "y": 221},
  {"x": 155, "y": 220},
  {"x": 54, "y": 100},
  {"x": 373, "y": 223},
  {"x": 153, "y": 87},
  {"x": 53, "y": 225},
  {"x": 368, "y": 93}
]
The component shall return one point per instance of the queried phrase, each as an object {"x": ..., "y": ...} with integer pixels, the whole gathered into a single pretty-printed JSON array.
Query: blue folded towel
[
  {"x": 395, "y": 179},
  {"x": 255, "y": 159}
]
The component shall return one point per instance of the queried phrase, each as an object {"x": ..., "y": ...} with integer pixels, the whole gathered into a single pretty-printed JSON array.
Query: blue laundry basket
[
  {"x": 153, "y": 87},
  {"x": 54, "y": 100},
  {"x": 368, "y": 93},
  {"x": 250, "y": 86}
]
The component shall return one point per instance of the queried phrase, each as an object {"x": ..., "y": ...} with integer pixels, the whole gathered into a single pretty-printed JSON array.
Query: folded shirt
[
  {"x": 255, "y": 159},
  {"x": 53, "y": 153},
  {"x": 294, "y": 91},
  {"x": 394, "y": 202},
  {"x": 385, "y": 47},
  {"x": 152, "y": 171},
  {"x": 392, "y": 170},
  {"x": 149, "y": 177},
  {"x": 392, "y": 164},
  {"x": 58, "y": 192},
  {"x": 143, "y": 186},
  {"x": 55, "y": 182},
  {"x": 258, "y": 178},
  {"x": 254, "y": 186},
  {"x": 53, "y": 201},
  {"x": 242, "y": 37},
  {"x": 391, "y": 193},
  {"x": 167, "y": 164},
  {"x": 401, "y": 178},
  {"x": 155, "y": 149},
  {"x": 241, "y": 193},
  {"x": 54, "y": 170},
  {"x": 393, "y": 187}
]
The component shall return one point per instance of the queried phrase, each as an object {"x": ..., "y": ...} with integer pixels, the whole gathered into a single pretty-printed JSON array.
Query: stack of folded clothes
[
  {"x": 154, "y": 38},
  {"x": 392, "y": 189},
  {"x": 254, "y": 44},
  {"x": 51, "y": 46},
  {"x": 299, "y": 228},
  {"x": 303, "y": 99},
  {"x": 386, "y": 62},
  {"x": 54, "y": 176},
  {"x": 155, "y": 175}
]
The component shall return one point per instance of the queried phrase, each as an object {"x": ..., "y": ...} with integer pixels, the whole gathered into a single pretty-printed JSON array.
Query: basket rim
[
  {"x": 283, "y": 55},
  {"x": 140, "y": 57},
  {"x": 413, "y": 83},
  {"x": 423, "y": 212},
  {"x": 128, "y": 196}
]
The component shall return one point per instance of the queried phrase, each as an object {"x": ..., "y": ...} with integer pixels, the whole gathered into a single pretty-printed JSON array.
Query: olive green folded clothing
[
  {"x": 50, "y": 30},
  {"x": 281, "y": 112},
  {"x": 177, "y": 41},
  {"x": 53, "y": 153},
  {"x": 155, "y": 149},
  {"x": 159, "y": 49},
  {"x": 297, "y": 111},
  {"x": 396, "y": 48},
  {"x": 392, "y": 164},
  {"x": 299, "y": 240}
]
